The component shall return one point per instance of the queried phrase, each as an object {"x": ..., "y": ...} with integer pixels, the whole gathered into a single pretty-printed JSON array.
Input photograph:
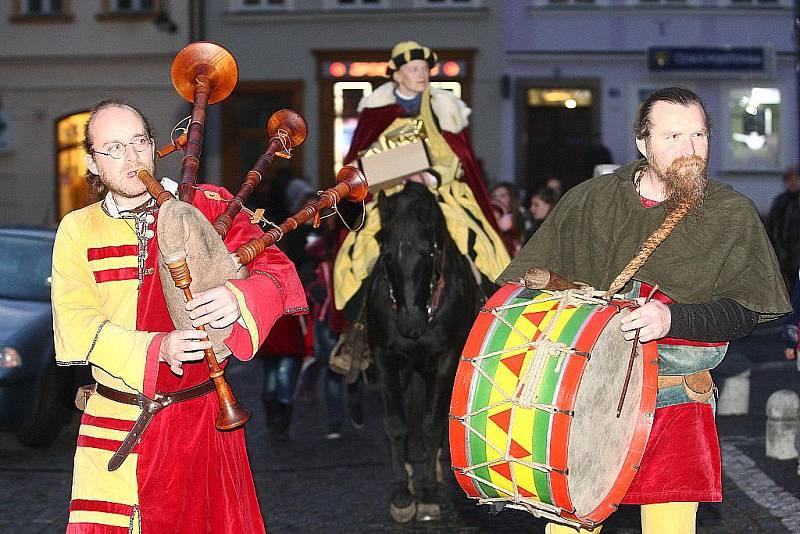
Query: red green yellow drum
[{"x": 533, "y": 417}]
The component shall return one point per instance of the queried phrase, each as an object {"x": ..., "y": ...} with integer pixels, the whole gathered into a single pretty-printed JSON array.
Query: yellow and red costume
[{"x": 109, "y": 311}]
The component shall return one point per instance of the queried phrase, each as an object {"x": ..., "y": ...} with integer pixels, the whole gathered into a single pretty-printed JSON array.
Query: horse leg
[
  {"x": 402, "y": 506},
  {"x": 438, "y": 391}
]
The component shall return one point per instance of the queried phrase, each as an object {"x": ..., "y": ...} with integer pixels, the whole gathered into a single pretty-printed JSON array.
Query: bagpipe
[{"x": 205, "y": 73}]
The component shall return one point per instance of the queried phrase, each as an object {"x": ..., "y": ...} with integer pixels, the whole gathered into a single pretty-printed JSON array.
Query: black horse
[{"x": 421, "y": 302}]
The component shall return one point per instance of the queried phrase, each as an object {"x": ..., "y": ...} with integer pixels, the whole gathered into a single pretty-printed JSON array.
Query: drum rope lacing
[{"x": 526, "y": 392}]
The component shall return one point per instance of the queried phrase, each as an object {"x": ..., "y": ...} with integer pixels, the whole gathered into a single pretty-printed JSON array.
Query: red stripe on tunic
[
  {"x": 100, "y": 253},
  {"x": 107, "y": 422},
  {"x": 113, "y": 275},
  {"x": 101, "y": 443},
  {"x": 682, "y": 460},
  {"x": 87, "y": 505},
  {"x": 95, "y": 528}
]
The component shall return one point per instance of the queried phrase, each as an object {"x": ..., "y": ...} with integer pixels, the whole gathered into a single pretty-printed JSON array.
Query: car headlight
[{"x": 9, "y": 358}]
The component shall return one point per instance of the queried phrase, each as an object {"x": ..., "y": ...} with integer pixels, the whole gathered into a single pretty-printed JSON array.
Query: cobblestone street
[{"x": 310, "y": 484}]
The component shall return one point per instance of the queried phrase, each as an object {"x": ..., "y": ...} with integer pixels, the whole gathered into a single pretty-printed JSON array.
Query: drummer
[
  {"x": 717, "y": 277},
  {"x": 179, "y": 474}
]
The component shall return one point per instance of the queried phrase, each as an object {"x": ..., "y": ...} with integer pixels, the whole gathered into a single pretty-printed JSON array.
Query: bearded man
[
  {"x": 718, "y": 278},
  {"x": 136, "y": 469}
]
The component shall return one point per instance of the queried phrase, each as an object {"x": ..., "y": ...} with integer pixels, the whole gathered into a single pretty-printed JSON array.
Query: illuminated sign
[
  {"x": 708, "y": 59},
  {"x": 377, "y": 69}
]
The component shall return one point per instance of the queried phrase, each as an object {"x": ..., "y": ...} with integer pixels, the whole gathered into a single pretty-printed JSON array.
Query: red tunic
[{"x": 192, "y": 477}]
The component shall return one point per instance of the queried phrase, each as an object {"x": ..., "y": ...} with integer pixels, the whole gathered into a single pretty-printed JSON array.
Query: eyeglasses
[{"x": 140, "y": 143}]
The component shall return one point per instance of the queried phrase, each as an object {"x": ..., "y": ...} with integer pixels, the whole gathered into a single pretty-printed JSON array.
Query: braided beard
[{"x": 685, "y": 180}]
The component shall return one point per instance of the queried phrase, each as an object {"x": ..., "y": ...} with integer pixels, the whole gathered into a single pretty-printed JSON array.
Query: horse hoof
[
  {"x": 403, "y": 515},
  {"x": 428, "y": 511}
]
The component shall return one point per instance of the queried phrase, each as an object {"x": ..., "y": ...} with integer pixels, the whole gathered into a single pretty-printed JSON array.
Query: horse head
[{"x": 412, "y": 242}]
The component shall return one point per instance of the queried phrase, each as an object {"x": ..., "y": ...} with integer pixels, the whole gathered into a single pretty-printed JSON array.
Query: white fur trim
[{"x": 452, "y": 112}]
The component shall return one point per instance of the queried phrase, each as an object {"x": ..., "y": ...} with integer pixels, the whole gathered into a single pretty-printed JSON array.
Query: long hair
[
  {"x": 672, "y": 95},
  {"x": 96, "y": 187}
]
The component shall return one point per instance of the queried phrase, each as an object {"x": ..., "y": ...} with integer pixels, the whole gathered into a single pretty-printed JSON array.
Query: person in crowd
[
  {"x": 505, "y": 205},
  {"x": 540, "y": 205},
  {"x": 556, "y": 185},
  {"x": 285, "y": 348},
  {"x": 597, "y": 154},
  {"x": 717, "y": 278},
  {"x": 149, "y": 458},
  {"x": 328, "y": 324},
  {"x": 282, "y": 353},
  {"x": 790, "y": 328},
  {"x": 783, "y": 225}
]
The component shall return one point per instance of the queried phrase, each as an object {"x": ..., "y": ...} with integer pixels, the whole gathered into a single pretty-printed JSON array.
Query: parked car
[{"x": 36, "y": 396}]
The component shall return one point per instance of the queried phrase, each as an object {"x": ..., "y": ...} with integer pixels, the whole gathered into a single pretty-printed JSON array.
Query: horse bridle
[{"x": 435, "y": 286}]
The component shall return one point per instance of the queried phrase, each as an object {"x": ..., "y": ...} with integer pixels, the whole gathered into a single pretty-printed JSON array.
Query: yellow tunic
[{"x": 96, "y": 323}]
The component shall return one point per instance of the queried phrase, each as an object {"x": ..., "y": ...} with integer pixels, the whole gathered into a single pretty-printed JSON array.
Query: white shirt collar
[{"x": 113, "y": 209}]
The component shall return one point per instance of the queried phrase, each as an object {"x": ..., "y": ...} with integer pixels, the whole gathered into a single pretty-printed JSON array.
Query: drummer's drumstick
[{"x": 633, "y": 355}]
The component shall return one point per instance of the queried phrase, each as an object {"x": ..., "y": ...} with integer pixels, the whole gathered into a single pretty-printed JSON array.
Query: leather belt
[
  {"x": 149, "y": 407},
  {"x": 698, "y": 386}
]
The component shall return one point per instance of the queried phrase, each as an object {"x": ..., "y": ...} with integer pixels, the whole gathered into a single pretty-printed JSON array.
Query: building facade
[
  {"x": 321, "y": 56},
  {"x": 58, "y": 58},
  {"x": 575, "y": 72},
  {"x": 318, "y": 57}
]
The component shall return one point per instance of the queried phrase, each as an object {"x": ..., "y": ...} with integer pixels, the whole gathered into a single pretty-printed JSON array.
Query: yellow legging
[{"x": 665, "y": 518}]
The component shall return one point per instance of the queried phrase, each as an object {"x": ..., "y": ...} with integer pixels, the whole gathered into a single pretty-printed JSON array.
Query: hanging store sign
[{"x": 750, "y": 60}]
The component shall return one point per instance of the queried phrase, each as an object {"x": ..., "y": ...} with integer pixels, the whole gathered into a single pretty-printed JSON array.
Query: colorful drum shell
[{"x": 481, "y": 425}]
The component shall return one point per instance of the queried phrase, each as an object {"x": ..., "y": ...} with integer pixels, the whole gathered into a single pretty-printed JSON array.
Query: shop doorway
[{"x": 559, "y": 134}]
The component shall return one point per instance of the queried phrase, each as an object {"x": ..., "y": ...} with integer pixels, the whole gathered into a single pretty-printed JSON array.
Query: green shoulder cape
[{"x": 598, "y": 226}]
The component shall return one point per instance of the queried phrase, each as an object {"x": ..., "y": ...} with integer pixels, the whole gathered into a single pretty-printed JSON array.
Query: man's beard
[
  {"x": 685, "y": 181},
  {"x": 128, "y": 188}
]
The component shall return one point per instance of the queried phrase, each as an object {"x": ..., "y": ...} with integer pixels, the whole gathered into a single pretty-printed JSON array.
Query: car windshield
[{"x": 25, "y": 267}]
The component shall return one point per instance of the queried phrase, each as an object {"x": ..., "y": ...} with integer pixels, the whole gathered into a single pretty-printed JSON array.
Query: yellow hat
[{"x": 407, "y": 51}]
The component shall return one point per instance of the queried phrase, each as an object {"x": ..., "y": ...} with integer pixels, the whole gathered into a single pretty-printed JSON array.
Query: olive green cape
[{"x": 598, "y": 226}]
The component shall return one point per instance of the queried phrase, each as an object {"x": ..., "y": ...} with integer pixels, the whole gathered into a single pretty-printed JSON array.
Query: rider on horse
[{"x": 438, "y": 118}]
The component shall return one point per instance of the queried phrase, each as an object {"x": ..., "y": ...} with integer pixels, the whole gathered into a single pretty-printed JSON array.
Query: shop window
[
  {"x": 72, "y": 190},
  {"x": 132, "y": 6},
  {"x": 754, "y": 142},
  {"x": 676, "y": 3},
  {"x": 42, "y": 7},
  {"x": 448, "y": 3},
  {"x": 356, "y": 4},
  {"x": 758, "y": 3},
  {"x": 259, "y": 5},
  {"x": 346, "y": 96},
  {"x": 37, "y": 11},
  {"x": 542, "y": 3}
]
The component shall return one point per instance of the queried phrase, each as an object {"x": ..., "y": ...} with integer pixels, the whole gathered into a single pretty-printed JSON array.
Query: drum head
[{"x": 599, "y": 441}]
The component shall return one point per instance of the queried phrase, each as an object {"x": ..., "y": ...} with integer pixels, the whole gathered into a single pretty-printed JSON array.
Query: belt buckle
[{"x": 151, "y": 406}]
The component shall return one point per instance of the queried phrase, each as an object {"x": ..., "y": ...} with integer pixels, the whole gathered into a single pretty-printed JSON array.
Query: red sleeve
[{"x": 273, "y": 287}]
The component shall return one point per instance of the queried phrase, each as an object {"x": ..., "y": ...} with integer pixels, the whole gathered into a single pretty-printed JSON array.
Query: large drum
[{"x": 533, "y": 418}]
